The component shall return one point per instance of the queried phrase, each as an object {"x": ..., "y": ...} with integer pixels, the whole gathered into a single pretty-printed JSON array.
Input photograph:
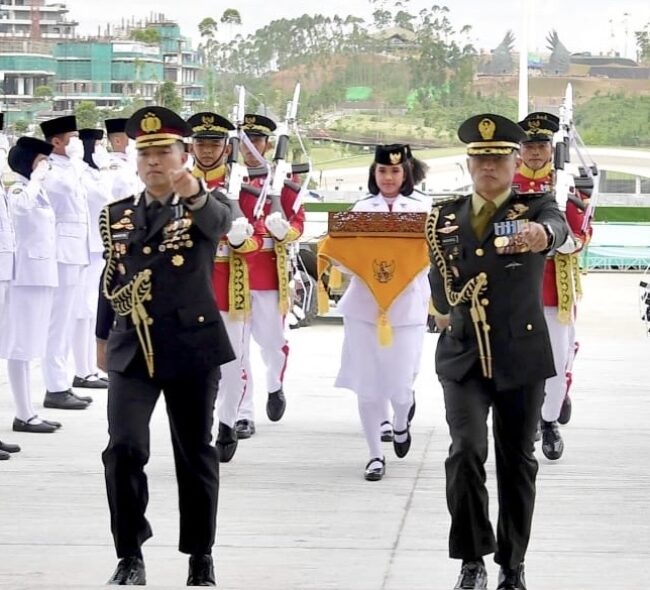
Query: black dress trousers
[
  {"x": 515, "y": 413},
  {"x": 190, "y": 401}
]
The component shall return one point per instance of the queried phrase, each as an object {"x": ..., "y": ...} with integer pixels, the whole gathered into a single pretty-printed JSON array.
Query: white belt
[{"x": 223, "y": 249}]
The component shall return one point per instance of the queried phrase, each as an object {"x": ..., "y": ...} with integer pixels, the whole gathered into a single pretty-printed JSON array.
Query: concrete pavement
[{"x": 295, "y": 512}]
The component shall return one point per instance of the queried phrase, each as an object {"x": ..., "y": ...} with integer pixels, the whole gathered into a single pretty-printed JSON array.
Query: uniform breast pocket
[
  {"x": 71, "y": 230},
  {"x": 41, "y": 251}
]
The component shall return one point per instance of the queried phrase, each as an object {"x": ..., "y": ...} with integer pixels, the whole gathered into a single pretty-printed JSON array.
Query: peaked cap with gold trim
[
  {"x": 392, "y": 154},
  {"x": 258, "y": 125},
  {"x": 540, "y": 126},
  {"x": 489, "y": 134},
  {"x": 209, "y": 125},
  {"x": 156, "y": 126}
]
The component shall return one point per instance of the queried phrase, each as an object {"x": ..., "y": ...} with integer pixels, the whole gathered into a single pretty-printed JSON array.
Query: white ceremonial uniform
[
  {"x": 68, "y": 198},
  {"x": 98, "y": 185},
  {"x": 25, "y": 321},
  {"x": 124, "y": 175},
  {"x": 370, "y": 370},
  {"x": 7, "y": 245}
]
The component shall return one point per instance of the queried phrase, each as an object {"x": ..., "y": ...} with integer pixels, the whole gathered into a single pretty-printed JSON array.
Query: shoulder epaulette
[
  {"x": 446, "y": 200},
  {"x": 121, "y": 201}
]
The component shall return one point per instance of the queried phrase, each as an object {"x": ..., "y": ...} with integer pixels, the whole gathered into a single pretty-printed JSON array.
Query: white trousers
[
  {"x": 84, "y": 348},
  {"x": 55, "y": 363},
  {"x": 563, "y": 344},
  {"x": 266, "y": 325},
  {"x": 19, "y": 381}
]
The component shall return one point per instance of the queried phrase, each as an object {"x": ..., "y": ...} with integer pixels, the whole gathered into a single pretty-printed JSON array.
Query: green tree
[
  {"x": 643, "y": 43},
  {"x": 87, "y": 114},
  {"x": 167, "y": 96},
  {"x": 147, "y": 35},
  {"x": 21, "y": 126},
  {"x": 43, "y": 92}
]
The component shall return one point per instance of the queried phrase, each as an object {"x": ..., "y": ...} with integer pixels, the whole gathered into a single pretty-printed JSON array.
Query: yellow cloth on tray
[{"x": 385, "y": 265}]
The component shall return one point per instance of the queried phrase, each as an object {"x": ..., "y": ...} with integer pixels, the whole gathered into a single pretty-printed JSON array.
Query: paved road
[{"x": 295, "y": 512}]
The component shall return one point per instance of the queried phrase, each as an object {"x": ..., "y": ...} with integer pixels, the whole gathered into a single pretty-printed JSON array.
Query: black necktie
[{"x": 153, "y": 209}]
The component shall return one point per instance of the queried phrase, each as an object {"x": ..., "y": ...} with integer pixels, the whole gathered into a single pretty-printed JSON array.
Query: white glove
[
  {"x": 277, "y": 226},
  {"x": 41, "y": 171},
  {"x": 101, "y": 158},
  {"x": 570, "y": 245},
  {"x": 240, "y": 231}
]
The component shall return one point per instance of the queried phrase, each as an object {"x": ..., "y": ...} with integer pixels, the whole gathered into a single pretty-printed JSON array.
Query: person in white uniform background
[
  {"x": 68, "y": 198},
  {"x": 123, "y": 167},
  {"x": 380, "y": 374},
  {"x": 6, "y": 254},
  {"x": 96, "y": 182},
  {"x": 25, "y": 319}
]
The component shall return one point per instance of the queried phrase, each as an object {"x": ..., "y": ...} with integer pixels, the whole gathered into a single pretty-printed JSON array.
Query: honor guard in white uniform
[
  {"x": 96, "y": 182},
  {"x": 125, "y": 179},
  {"x": 24, "y": 322},
  {"x": 68, "y": 199},
  {"x": 6, "y": 254},
  {"x": 380, "y": 368}
]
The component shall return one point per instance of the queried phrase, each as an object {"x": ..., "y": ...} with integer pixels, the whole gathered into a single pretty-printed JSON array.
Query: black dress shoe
[
  {"x": 226, "y": 443},
  {"x": 565, "y": 411},
  {"x": 375, "y": 473},
  {"x": 129, "y": 572},
  {"x": 54, "y": 423},
  {"x": 386, "y": 431},
  {"x": 552, "y": 443},
  {"x": 512, "y": 579},
  {"x": 473, "y": 576},
  {"x": 245, "y": 429},
  {"x": 276, "y": 405},
  {"x": 31, "y": 426},
  {"x": 9, "y": 448},
  {"x": 402, "y": 448},
  {"x": 4, "y": 456},
  {"x": 201, "y": 571},
  {"x": 64, "y": 400},
  {"x": 87, "y": 383}
]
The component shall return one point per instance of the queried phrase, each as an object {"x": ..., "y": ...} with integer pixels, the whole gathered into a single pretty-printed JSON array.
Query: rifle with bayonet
[{"x": 283, "y": 170}]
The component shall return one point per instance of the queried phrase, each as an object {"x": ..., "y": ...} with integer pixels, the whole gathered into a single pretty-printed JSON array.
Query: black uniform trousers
[
  {"x": 515, "y": 414},
  {"x": 190, "y": 407}
]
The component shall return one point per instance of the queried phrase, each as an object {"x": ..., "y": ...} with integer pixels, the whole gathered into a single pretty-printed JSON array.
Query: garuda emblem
[{"x": 383, "y": 270}]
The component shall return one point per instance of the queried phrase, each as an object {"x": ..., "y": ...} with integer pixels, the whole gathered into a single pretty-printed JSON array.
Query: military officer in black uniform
[
  {"x": 164, "y": 333},
  {"x": 488, "y": 253}
]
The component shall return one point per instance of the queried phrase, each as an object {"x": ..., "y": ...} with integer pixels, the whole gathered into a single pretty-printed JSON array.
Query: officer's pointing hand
[
  {"x": 534, "y": 235},
  {"x": 183, "y": 183}
]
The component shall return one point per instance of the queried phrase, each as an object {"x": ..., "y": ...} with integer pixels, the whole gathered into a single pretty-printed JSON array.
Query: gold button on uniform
[
  {"x": 146, "y": 250},
  {"x": 479, "y": 252},
  {"x": 485, "y": 302},
  {"x": 201, "y": 319},
  {"x": 529, "y": 327}
]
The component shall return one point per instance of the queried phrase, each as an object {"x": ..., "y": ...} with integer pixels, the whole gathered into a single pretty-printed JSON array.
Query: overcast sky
[{"x": 596, "y": 25}]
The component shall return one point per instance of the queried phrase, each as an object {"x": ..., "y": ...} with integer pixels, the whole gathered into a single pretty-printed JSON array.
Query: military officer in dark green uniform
[
  {"x": 488, "y": 252},
  {"x": 159, "y": 329}
]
